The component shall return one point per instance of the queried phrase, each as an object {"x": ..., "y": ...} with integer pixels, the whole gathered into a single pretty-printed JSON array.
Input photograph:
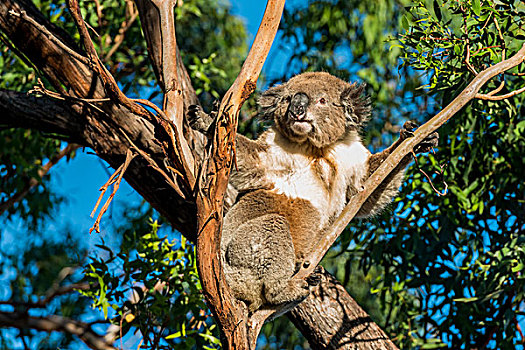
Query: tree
[{"x": 153, "y": 149}]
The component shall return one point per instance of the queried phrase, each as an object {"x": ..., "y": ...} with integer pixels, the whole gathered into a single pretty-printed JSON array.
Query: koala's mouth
[{"x": 300, "y": 126}]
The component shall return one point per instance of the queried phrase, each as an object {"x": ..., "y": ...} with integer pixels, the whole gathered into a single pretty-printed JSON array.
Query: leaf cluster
[
  {"x": 151, "y": 286},
  {"x": 453, "y": 265}
]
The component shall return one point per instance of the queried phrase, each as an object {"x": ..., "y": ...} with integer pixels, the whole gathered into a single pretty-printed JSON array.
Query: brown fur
[{"x": 293, "y": 182}]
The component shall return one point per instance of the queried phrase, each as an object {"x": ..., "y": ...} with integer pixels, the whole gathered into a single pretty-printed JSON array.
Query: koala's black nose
[{"x": 298, "y": 105}]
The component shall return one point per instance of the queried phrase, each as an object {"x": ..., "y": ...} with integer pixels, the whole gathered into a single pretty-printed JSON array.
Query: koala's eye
[{"x": 322, "y": 101}]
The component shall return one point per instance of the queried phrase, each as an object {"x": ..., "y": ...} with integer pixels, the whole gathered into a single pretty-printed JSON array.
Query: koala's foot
[
  {"x": 424, "y": 146},
  {"x": 315, "y": 277},
  {"x": 295, "y": 290},
  {"x": 198, "y": 119},
  {"x": 254, "y": 306}
]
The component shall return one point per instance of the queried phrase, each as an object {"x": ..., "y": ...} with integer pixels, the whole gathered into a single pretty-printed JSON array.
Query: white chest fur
[{"x": 321, "y": 180}]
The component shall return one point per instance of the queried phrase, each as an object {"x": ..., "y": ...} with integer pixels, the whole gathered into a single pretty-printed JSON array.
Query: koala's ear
[
  {"x": 270, "y": 100},
  {"x": 356, "y": 105}
]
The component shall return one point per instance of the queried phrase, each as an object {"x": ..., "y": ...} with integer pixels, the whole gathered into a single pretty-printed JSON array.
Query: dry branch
[
  {"x": 114, "y": 180},
  {"x": 491, "y": 97}
]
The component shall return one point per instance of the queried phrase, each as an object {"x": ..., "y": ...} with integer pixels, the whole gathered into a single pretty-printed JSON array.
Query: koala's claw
[
  {"x": 315, "y": 277},
  {"x": 193, "y": 115},
  {"x": 428, "y": 143},
  {"x": 408, "y": 129},
  {"x": 198, "y": 119},
  {"x": 424, "y": 146}
]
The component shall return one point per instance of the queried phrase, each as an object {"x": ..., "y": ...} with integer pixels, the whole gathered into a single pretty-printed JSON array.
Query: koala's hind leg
[{"x": 262, "y": 247}]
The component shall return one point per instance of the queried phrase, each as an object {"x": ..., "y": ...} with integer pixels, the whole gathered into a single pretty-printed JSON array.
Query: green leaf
[{"x": 476, "y": 7}]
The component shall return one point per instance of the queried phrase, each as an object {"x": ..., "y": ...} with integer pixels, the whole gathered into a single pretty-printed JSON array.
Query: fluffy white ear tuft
[{"x": 357, "y": 106}]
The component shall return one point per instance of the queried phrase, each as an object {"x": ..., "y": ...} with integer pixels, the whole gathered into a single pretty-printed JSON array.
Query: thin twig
[
  {"x": 40, "y": 88},
  {"x": 156, "y": 167},
  {"x": 503, "y": 52},
  {"x": 110, "y": 85},
  {"x": 518, "y": 328},
  {"x": 119, "y": 39},
  {"x": 498, "y": 89},
  {"x": 500, "y": 97},
  {"x": 116, "y": 183},
  {"x": 439, "y": 173}
]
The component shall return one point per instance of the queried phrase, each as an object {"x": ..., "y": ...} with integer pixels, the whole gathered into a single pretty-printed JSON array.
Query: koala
[{"x": 293, "y": 182}]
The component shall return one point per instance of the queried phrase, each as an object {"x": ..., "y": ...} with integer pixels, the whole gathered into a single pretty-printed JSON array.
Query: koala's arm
[
  {"x": 388, "y": 189},
  {"x": 248, "y": 172}
]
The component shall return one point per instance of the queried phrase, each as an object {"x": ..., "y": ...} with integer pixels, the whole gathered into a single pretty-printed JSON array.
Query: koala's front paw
[
  {"x": 428, "y": 143},
  {"x": 408, "y": 129},
  {"x": 199, "y": 120},
  {"x": 424, "y": 146},
  {"x": 196, "y": 118},
  {"x": 315, "y": 277}
]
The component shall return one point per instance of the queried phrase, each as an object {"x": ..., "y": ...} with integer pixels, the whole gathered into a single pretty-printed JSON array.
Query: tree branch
[
  {"x": 151, "y": 27},
  {"x": 89, "y": 128},
  {"x": 173, "y": 97},
  {"x": 331, "y": 319},
  {"x": 230, "y": 314},
  {"x": 490, "y": 97},
  {"x": 55, "y": 323}
]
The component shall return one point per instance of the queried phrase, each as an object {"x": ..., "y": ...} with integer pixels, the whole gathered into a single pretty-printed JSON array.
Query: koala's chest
[{"x": 322, "y": 181}]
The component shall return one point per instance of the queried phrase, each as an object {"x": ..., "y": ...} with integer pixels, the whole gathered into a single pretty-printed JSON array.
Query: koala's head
[{"x": 315, "y": 107}]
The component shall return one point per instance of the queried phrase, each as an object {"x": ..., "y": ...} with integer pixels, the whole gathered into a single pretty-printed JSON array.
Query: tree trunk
[{"x": 330, "y": 319}]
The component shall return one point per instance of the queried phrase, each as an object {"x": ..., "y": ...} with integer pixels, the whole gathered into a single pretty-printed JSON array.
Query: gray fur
[{"x": 293, "y": 181}]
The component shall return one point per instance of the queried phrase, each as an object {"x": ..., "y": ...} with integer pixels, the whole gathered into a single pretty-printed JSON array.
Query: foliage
[
  {"x": 152, "y": 285},
  {"x": 35, "y": 274},
  {"x": 453, "y": 265}
]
